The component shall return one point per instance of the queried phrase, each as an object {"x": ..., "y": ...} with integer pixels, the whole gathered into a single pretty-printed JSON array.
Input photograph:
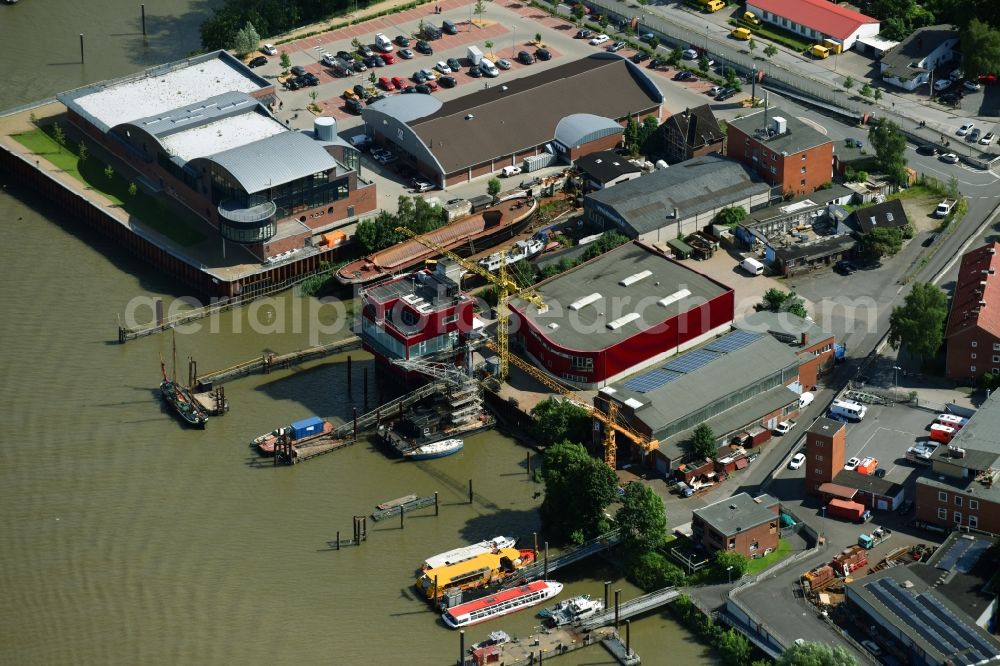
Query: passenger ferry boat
[
  {"x": 476, "y": 572},
  {"x": 572, "y": 610},
  {"x": 501, "y": 603},
  {"x": 456, "y": 555}
]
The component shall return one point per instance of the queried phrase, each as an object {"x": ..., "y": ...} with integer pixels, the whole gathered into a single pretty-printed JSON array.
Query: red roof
[
  {"x": 822, "y": 16},
  {"x": 975, "y": 303},
  {"x": 497, "y": 598}
]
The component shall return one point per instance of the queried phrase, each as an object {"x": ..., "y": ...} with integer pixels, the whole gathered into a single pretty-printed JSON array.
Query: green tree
[
  {"x": 919, "y": 322},
  {"x": 848, "y": 83},
  {"x": 731, "y": 215},
  {"x": 980, "y": 48},
  {"x": 734, "y": 647},
  {"x": 725, "y": 559},
  {"x": 493, "y": 187},
  {"x": 866, "y": 90},
  {"x": 852, "y": 176},
  {"x": 538, "y": 38},
  {"x": 578, "y": 488},
  {"x": 480, "y": 8},
  {"x": 489, "y": 46},
  {"x": 770, "y": 50},
  {"x": 641, "y": 519},
  {"x": 675, "y": 56},
  {"x": 776, "y": 300},
  {"x": 752, "y": 45},
  {"x": 653, "y": 571},
  {"x": 246, "y": 40},
  {"x": 356, "y": 43},
  {"x": 559, "y": 421},
  {"x": 654, "y": 42},
  {"x": 632, "y": 136},
  {"x": 109, "y": 171},
  {"x": 578, "y": 12},
  {"x": 608, "y": 241},
  {"x": 650, "y": 138},
  {"x": 703, "y": 63},
  {"x": 890, "y": 149},
  {"x": 877, "y": 94},
  {"x": 372, "y": 78},
  {"x": 132, "y": 189},
  {"x": 882, "y": 242},
  {"x": 83, "y": 152},
  {"x": 285, "y": 61},
  {"x": 703, "y": 443},
  {"x": 952, "y": 190},
  {"x": 604, "y": 22},
  {"x": 815, "y": 654},
  {"x": 59, "y": 135}
]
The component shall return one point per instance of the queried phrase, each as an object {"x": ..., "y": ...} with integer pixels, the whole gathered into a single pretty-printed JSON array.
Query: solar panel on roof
[
  {"x": 957, "y": 550},
  {"x": 651, "y": 380},
  {"x": 967, "y": 633},
  {"x": 691, "y": 361},
  {"x": 896, "y": 600},
  {"x": 967, "y": 562},
  {"x": 735, "y": 340}
]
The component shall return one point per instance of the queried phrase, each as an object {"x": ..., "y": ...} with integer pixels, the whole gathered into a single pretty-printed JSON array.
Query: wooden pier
[
  {"x": 267, "y": 362},
  {"x": 412, "y": 505},
  {"x": 546, "y": 644}
]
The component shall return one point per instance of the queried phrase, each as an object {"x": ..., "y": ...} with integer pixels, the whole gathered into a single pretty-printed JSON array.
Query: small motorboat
[
  {"x": 572, "y": 610},
  {"x": 440, "y": 449}
]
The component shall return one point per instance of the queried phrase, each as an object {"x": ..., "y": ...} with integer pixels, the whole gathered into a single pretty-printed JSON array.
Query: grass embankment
[{"x": 176, "y": 224}]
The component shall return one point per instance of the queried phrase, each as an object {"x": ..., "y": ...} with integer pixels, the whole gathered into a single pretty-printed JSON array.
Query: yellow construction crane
[
  {"x": 609, "y": 420},
  {"x": 507, "y": 288}
]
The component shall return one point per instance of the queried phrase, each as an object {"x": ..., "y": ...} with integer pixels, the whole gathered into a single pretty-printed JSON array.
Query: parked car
[
  {"x": 987, "y": 139},
  {"x": 973, "y": 136},
  {"x": 543, "y": 54},
  {"x": 599, "y": 39},
  {"x": 386, "y": 84},
  {"x": 360, "y": 91},
  {"x": 257, "y": 62},
  {"x": 971, "y": 86},
  {"x": 354, "y": 106},
  {"x": 872, "y": 647},
  {"x": 292, "y": 83},
  {"x": 448, "y": 82},
  {"x": 424, "y": 47},
  {"x": 405, "y": 54},
  {"x": 689, "y": 54},
  {"x": 784, "y": 427},
  {"x": 369, "y": 61},
  {"x": 583, "y": 33},
  {"x": 616, "y": 46},
  {"x": 475, "y": 72},
  {"x": 449, "y": 28},
  {"x": 797, "y": 461},
  {"x": 503, "y": 63},
  {"x": 952, "y": 99},
  {"x": 419, "y": 76},
  {"x": 365, "y": 51},
  {"x": 453, "y": 64},
  {"x": 401, "y": 40},
  {"x": 726, "y": 94},
  {"x": 741, "y": 33},
  {"x": 429, "y": 74},
  {"x": 845, "y": 267},
  {"x": 641, "y": 56},
  {"x": 442, "y": 67},
  {"x": 525, "y": 58},
  {"x": 298, "y": 70},
  {"x": 358, "y": 66},
  {"x": 949, "y": 158},
  {"x": 929, "y": 240},
  {"x": 422, "y": 89},
  {"x": 268, "y": 49},
  {"x": 345, "y": 56},
  {"x": 987, "y": 79},
  {"x": 683, "y": 75},
  {"x": 422, "y": 185},
  {"x": 927, "y": 149},
  {"x": 432, "y": 85},
  {"x": 852, "y": 464},
  {"x": 388, "y": 58},
  {"x": 406, "y": 90},
  {"x": 350, "y": 94},
  {"x": 942, "y": 84},
  {"x": 715, "y": 90},
  {"x": 965, "y": 129},
  {"x": 379, "y": 61},
  {"x": 375, "y": 98}
]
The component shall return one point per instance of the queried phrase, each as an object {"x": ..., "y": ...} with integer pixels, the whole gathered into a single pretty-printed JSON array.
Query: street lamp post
[
  {"x": 513, "y": 42},
  {"x": 822, "y": 513},
  {"x": 895, "y": 381},
  {"x": 729, "y": 570}
]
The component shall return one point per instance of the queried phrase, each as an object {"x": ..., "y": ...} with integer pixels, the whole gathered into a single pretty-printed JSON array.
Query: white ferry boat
[
  {"x": 501, "y": 603},
  {"x": 522, "y": 250},
  {"x": 494, "y": 545},
  {"x": 572, "y": 610}
]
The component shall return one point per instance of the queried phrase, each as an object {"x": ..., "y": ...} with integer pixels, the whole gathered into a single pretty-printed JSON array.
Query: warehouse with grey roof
[{"x": 679, "y": 200}]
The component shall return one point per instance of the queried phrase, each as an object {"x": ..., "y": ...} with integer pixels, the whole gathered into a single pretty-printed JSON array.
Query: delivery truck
[{"x": 752, "y": 266}]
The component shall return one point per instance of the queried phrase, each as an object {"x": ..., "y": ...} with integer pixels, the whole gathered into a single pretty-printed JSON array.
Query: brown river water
[{"x": 126, "y": 539}]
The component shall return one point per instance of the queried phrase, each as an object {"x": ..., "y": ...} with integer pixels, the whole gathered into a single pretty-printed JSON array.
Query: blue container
[{"x": 307, "y": 427}]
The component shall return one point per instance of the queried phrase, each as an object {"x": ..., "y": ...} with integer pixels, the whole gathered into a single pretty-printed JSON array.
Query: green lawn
[
  {"x": 781, "y": 552},
  {"x": 177, "y": 224}
]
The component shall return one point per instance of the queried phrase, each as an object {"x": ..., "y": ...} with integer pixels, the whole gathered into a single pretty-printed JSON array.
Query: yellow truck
[
  {"x": 741, "y": 33},
  {"x": 714, "y": 5},
  {"x": 818, "y": 51}
]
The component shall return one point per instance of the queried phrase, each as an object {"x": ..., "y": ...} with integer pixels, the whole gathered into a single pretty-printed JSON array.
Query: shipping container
[
  {"x": 307, "y": 427},
  {"x": 838, "y": 508}
]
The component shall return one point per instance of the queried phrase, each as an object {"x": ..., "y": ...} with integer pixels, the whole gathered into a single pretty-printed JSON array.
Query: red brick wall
[
  {"x": 928, "y": 503},
  {"x": 824, "y": 457},
  {"x": 818, "y": 162},
  {"x": 766, "y": 536},
  {"x": 960, "y": 351},
  {"x": 609, "y": 142}
]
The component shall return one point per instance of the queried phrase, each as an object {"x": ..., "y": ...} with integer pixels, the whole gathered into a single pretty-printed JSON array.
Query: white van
[
  {"x": 752, "y": 266},
  {"x": 383, "y": 43},
  {"x": 488, "y": 68},
  {"x": 509, "y": 171},
  {"x": 848, "y": 409}
]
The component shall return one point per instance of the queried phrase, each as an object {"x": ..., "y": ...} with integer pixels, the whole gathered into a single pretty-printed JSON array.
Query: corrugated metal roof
[
  {"x": 275, "y": 160},
  {"x": 579, "y": 128},
  {"x": 407, "y": 108}
]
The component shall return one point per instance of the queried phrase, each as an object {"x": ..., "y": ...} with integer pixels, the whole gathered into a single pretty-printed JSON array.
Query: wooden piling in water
[
  {"x": 607, "y": 584},
  {"x": 436, "y": 507},
  {"x": 535, "y": 548},
  {"x": 618, "y": 596},
  {"x": 348, "y": 374},
  {"x": 628, "y": 638},
  {"x": 338, "y": 539},
  {"x": 364, "y": 396},
  {"x": 401, "y": 514},
  {"x": 470, "y": 491},
  {"x": 527, "y": 464},
  {"x": 355, "y": 423},
  {"x": 545, "y": 568},
  {"x": 461, "y": 648}
]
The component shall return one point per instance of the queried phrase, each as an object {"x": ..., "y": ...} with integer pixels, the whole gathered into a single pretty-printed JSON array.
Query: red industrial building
[
  {"x": 826, "y": 441},
  {"x": 782, "y": 149},
  {"x": 418, "y": 315},
  {"x": 619, "y": 313},
  {"x": 814, "y": 344},
  {"x": 739, "y": 524},
  {"x": 973, "y": 332}
]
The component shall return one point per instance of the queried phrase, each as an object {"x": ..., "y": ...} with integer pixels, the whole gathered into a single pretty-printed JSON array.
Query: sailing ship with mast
[{"x": 179, "y": 398}]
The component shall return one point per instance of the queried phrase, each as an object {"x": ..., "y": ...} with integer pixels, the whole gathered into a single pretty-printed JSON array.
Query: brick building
[
  {"x": 564, "y": 112},
  {"x": 738, "y": 524},
  {"x": 962, "y": 487},
  {"x": 692, "y": 133},
  {"x": 973, "y": 332},
  {"x": 826, "y": 441},
  {"x": 813, "y": 344},
  {"x": 783, "y": 150}
]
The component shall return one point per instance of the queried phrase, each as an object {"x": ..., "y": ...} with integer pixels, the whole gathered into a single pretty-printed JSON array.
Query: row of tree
[
  {"x": 270, "y": 17},
  {"x": 414, "y": 213}
]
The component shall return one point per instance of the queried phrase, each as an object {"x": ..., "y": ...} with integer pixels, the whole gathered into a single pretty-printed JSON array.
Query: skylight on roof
[
  {"x": 674, "y": 297},
  {"x": 581, "y": 303},
  {"x": 621, "y": 321},
  {"x": 635, "y": 277}
]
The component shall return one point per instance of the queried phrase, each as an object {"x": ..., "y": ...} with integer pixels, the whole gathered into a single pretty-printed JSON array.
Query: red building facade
[
  {"x": 783, "y": 150},
  {"x": 973, "y": 332}
]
